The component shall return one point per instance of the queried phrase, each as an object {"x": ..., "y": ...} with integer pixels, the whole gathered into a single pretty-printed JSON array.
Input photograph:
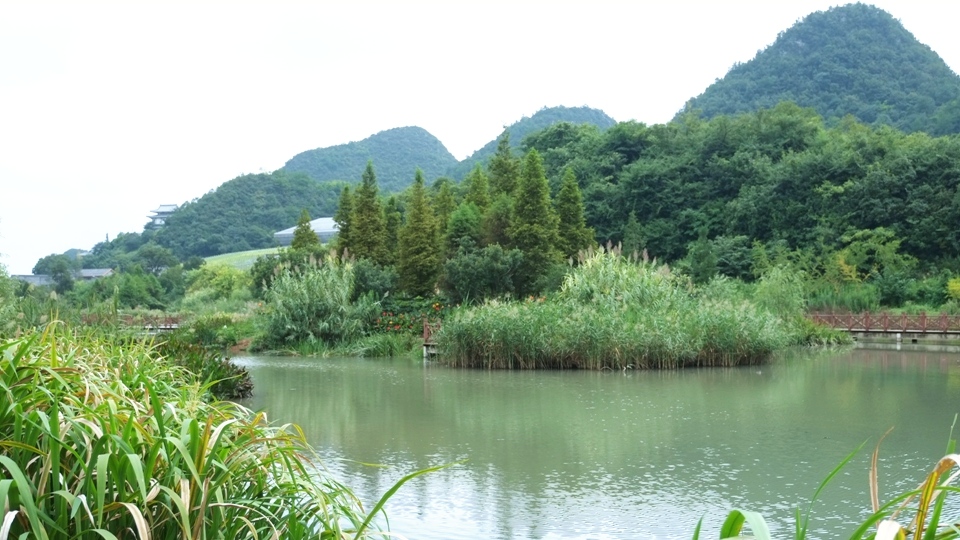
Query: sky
[{"x": 109, "y": 109}]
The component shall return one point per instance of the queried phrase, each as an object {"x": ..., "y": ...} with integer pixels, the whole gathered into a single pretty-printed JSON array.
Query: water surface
[{"x": 616, "y": 455}]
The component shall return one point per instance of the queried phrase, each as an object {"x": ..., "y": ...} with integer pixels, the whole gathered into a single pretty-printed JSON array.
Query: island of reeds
[{"x": 615, "y": 312}]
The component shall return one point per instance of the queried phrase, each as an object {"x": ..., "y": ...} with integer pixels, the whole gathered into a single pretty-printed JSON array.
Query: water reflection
[{"x": 616, "y": 455}]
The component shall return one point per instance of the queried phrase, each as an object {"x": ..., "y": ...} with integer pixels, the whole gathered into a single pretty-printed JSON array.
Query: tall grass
[
  {"x": 103, "y": 440},
  {"x": 618, "y": 314}
]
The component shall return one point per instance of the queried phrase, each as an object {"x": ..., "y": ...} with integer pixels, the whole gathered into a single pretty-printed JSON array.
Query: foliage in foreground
[
  {"x": 615, "y": 313},
  {"x": 927, "y": 504},
  {"x": 109, "y": 441}
]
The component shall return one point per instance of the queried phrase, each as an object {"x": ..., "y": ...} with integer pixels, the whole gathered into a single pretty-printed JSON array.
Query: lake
[{"x": 617, "y": 455}]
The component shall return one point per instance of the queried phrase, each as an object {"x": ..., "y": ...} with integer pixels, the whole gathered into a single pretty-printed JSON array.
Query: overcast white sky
[{"x": 108, "y": 109}]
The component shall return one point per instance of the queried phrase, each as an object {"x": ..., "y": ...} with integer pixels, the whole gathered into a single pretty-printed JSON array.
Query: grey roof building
[
  {"x": 160, "y": 215},
  {"x": 87, "y": 274},
  {"x": 325, "y": 227}
]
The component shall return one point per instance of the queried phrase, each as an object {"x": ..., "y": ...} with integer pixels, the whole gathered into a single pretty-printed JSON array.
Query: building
[
  {"x": 325, "y": 227},
  {"x": 160, "y": 215}
]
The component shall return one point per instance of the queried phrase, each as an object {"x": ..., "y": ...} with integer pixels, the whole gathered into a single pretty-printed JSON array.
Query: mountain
[
  {"x": 396, "y": 154},
  {"x": 542, "y": 119},
  {"x": 243, "y": 213},
  {"x": 855, "y": 59}
]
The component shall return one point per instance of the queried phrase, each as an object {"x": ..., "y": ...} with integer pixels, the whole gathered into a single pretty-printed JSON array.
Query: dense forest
[
  {"x": 525, "y": 126},
  {"x": 398, "y": 153},
  {"x": 855, "y": 59},
  {"x": 244, "y": 213}
]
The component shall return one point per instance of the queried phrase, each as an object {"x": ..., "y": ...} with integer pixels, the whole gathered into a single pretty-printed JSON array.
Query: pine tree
[
  {"x": 632, "y": 236},
  {"x": 368, "y": 231},
  {"x": 573, "y": 233},
  {"x": 344, "y": 220},
  {"x": 496, "y": 221},
  {"x": 304, "y": 239},
  {"x": 534, "y": 227},
  {"x": 418, "y": 259},
  {"x": 392, "y": 221},
  {"x": 478, "y": 190},
  {"x": 443, "y": 205},
  {"x": 504, "y": 168}
]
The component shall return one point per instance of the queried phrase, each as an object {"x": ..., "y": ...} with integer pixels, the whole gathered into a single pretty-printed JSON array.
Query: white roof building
[{"x": 325, "y": 227}]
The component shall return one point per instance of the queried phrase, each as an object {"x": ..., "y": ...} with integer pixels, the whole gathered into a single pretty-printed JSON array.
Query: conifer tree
[
  {"x": 344, "y": 219},
  {"x": 418, "y": 258},
  {"x": 534, "y": 227},
  {"x": 368, "y": 231},
  {"x": 478, "y": 189},
  {"x": 463, "y": 231},
  {"x": 574, "y": 235},
  {"x": 392, "y": 221},
  {"x": 444, "y": 204},
  {"x": 304, "y": 239},
  {"x": 504, "y": 168},
  {"x": 632, "y": 236},
  {"x": 496, "y": 221}
]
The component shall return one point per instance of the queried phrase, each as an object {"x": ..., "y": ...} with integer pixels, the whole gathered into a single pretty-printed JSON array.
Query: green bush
[{"x": 315, "y": 306}]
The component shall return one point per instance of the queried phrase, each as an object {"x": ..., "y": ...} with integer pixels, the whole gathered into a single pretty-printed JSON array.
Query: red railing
[{"x": 920, "y": 323}]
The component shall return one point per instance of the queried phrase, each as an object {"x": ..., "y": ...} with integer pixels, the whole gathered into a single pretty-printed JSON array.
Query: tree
[
  {"x": 444, "y": 204},
  {"x": 478, "y": 189},
  {"x": 154, "y": 258},
  {"x": 632, "y": 236},
  {"x": 504, "y": 168},
  {"x": 496, "y": 221},
  {"x": 463, "y": 231},
  {"x": 304, "y": 239},
  {"x": 344, "y": 220},
  {"x": 46, "y": 264},
  {"x": 534, "y": 227},
  {"x": 393, "y": 220},
  {"x": 368, "y": 230},
  {"x": 418, "y": 260},
  {"x": 573, "y": 233},
  {"x": 702, "y": 259}
]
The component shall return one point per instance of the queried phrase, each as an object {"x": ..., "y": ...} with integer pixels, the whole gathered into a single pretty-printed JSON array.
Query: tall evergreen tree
[
  {"x": 392, "y": 221},
  {"x": 496, "y": 221},
  {"x": 632, "y": 236},
  {"x": 504, "y": 168},
  {"x": 534, "y": 227},
  {"x": 304, "y": 239},
  {"x": 478, "y": 189},
  {"x": 344, "y": 220},
  {"x": 368, "y": 230},
  {"x": 418, "y": 258},
  {"x": 573, "y": 233},
  {"x": 444, "y": 204}
]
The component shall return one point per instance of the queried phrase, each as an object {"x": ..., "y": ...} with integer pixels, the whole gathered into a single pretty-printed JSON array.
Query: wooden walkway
[
  {"x": 429, "y": 344},
  {"x": 885, "y": 323},
  {"x": 150, "y": 324}
]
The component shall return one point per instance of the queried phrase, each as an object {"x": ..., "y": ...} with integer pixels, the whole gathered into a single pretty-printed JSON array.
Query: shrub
[{"x": 315, "y": 306}]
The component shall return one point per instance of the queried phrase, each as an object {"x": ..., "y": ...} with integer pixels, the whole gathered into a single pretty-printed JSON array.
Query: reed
[
  {"x": 108, "y": 440},
  {"x": 614, "y": 313}
]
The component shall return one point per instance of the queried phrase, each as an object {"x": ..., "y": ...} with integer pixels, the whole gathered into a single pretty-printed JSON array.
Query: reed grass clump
[
  {"x": 107, "y": 440},
  {"x": 614, "y": 313}
]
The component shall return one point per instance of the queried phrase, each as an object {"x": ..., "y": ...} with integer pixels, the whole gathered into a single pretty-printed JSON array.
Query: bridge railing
[
  {"x": 165, "y": 322},
  {"x": 921, "y": 323}
]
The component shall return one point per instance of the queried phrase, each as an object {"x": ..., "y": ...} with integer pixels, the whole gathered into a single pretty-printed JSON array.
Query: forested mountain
[
  {"x": 519, "y": 130},
  {"x": 855, "y": 59},
  {"x": 243, "y": 213},
  {"x": 397, "y": 153},
  {"x": 778, "y": 176}
]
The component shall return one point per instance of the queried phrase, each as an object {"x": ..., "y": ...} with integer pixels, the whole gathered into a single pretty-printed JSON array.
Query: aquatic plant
[
  {"x": 614, "y": 313},
  {"x": 108, "y": 440}
]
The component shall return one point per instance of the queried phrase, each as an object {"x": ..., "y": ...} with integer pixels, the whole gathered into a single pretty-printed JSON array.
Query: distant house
[
  {"x": 159, "y": 216},
  {"x": 87, "y": 274},
  {"x": 325, "y": 227}
]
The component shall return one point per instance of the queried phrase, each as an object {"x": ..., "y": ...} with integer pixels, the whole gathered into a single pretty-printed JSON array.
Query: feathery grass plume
[{"x": 108, "y": 440}]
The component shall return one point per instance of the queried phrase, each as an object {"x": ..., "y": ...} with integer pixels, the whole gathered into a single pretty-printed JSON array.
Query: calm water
[{"x": 575, "y": 455}]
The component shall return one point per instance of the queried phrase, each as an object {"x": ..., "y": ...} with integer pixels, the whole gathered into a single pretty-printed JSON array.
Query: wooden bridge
[
  {"x": 429, "y": 344},
  {"x": 148, "y": 323},
  {"x": 887, "y": 325}
]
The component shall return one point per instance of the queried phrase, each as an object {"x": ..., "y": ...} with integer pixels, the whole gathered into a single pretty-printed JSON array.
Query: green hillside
[
  {"x": 396, "y": 153},
  {"x": 543, "y": 118},
  {"x": 855, "y": 59},
  {"x": 243, "y": 213}
]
